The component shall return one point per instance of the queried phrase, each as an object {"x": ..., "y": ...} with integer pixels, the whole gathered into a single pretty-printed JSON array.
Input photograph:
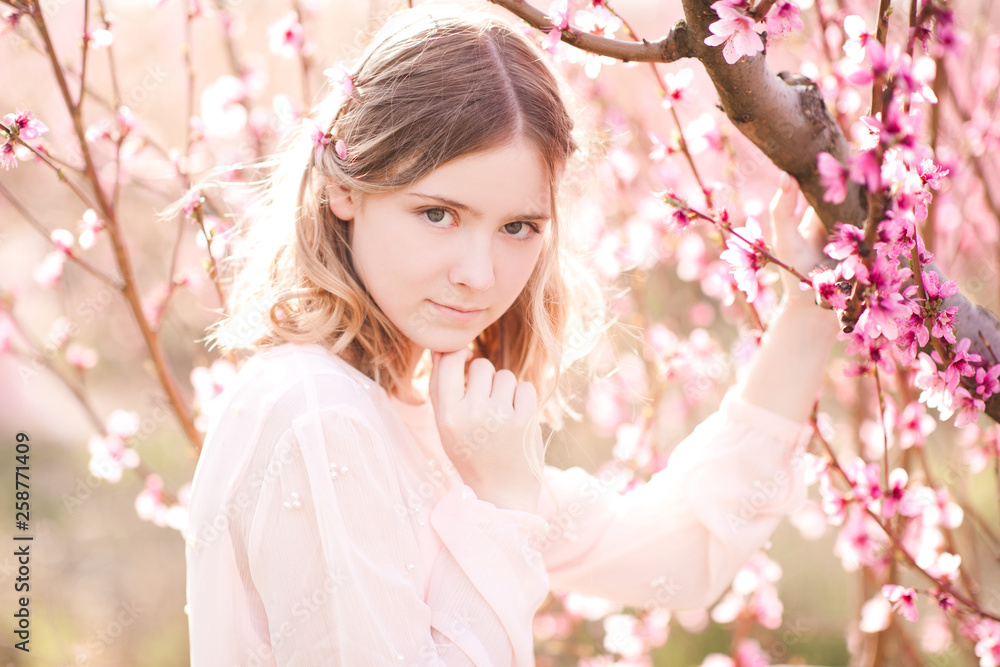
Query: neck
[{"x": 407, "y": 393}]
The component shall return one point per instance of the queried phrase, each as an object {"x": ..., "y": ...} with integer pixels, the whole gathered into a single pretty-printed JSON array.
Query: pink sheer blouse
[{"x": 327, "y": 527}]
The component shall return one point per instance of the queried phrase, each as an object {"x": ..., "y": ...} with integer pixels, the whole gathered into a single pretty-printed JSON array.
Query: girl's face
[{"x": 446, "y": 256}]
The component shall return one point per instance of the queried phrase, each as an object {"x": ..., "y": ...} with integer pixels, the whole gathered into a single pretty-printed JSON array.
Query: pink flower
[
  {"x": 286, "y": 36},
  {"x": 750, "y": 654},
  {"x": 9, "y": 22},
  {"x": 747, "y": 261},
  {"x": 81, "y": 357},
  {"x": 845, "y": 244},
  {"x": 886, "y": 303},
  {"x": 558, "y": 14},
  {"x": 864, "y": 480},
  {"x": 25, "y": 125},
  {"x": 8, "y": 159},
  {"x": 49, "y": 272},
  {"x": 865, "y": 169},
  {"x": 961, "y": 364},
  {"x": 208, "y": 383},
  {"x": 896, "y": 234},
  {"x": 109, "y": 457},
  {"x": 319, "y": 138},
  {"x": 914, "y": 425},
  {"x": 833, "y": 502},
  {"x": 90, "y": 224},
  {"x": 149, "y": 502},
  {"x": 600, "y": 21},
  {"x": 987, "y": 382},
  {"x": 100, "y": 38},
  {"x": 833, "y": 176},
  {"x": 734, "y": 29},
  {"x": 896, "y": 492},
  {"x": 783, "y": 19},
  {"x": 903, "y": 601},
  {"x": 341, "y": 79},
  {"x": 967, "y": 407},
  {"x": 931, "y": 173},
  {"x": 913, "y": 335},
  {"x": 875, "y": 350},
  {"x": 854, "y": 28},
  {"x": 826, "y": 284},
  {"x": 63, "y": 240},
  {"x": 192, "y": 200},
  {"x": 676, "y": 84},
  {"x": 936, "y": 393},
  {"x": 223, "y": 109}
]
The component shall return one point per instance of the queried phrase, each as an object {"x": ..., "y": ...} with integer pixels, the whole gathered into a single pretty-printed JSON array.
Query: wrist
[{"x": 803, "y": 309}]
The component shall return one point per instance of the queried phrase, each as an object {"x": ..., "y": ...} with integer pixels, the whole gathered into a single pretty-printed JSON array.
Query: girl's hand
[
  {"x": 488, "y": 428},
  {"x": 796, "y": 241}
]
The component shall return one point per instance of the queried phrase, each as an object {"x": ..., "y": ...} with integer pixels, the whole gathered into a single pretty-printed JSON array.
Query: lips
[{"x": 461, "y": 309}]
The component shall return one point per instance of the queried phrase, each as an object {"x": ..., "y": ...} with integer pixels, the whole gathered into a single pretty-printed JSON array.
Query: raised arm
[
  {"x": 678, "y": 540},
  {"x": 787, "y": 369}
]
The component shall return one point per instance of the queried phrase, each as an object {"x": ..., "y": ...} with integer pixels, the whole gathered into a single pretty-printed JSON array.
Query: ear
[{"x": 343, "y": 203}]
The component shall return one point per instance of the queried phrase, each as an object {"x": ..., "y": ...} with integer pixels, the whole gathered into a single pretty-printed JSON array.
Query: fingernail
[{"x": 784, "y": 180}]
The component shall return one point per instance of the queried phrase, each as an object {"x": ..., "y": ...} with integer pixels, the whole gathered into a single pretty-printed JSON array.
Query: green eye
[{"x": 435, "y": 214}]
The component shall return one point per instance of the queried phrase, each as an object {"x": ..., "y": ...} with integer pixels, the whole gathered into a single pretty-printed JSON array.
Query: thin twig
[
  {"x": 83, "y": 56},
  {"x": 108, "y": 213},
  {"x": 897, "y": 544},
  {"x": 72, "y": 256}
]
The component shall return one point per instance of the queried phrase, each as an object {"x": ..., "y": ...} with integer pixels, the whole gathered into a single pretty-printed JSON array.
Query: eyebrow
[{"x": 451, "y": 203}]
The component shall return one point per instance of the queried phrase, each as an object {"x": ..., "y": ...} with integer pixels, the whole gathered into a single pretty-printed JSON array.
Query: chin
[{"x": 445, "y": 343}]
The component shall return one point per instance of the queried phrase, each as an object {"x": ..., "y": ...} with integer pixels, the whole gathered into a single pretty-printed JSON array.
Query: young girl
[{"x": 350, "y": 510}]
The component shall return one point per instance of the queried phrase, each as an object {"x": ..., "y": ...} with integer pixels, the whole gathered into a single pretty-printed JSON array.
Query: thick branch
[{"x": 666, "y": 50}]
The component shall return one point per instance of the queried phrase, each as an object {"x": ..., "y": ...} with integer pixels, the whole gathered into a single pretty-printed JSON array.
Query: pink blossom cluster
[
  {"x": 752, "y": 594},
  {"x": 21, "y": 126},
  {"x": 736, "y": 29},
  {"x": 904, "y": 306}
]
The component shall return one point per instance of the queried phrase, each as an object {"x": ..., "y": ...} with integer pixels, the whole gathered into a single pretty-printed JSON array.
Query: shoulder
[{"x": 282, "y": 384}]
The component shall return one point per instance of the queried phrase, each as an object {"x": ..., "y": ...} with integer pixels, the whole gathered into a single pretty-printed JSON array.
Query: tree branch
[
  {"x": 785, "y": 117},
  {"x": 665, "y": 50}
]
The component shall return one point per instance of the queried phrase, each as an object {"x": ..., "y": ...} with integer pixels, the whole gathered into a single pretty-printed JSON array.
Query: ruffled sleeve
[
  {"x": 678, "y": 540},
  {"x": 337, "y": 565}
]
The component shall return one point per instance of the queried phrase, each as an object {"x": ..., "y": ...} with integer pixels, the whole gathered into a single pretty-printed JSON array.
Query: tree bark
[{"x": 784, "y": 115}]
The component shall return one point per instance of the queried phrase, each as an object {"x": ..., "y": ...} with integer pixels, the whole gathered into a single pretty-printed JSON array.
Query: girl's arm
[
  {"x": 677, "y": 541},
  {"x": 787, "y": 369}
]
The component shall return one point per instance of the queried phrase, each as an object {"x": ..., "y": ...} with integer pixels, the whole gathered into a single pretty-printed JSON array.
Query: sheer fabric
[{"x": 327, "y": 526}]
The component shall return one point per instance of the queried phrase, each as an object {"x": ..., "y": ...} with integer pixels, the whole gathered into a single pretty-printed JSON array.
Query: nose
[{"x": 473, "y": 264}]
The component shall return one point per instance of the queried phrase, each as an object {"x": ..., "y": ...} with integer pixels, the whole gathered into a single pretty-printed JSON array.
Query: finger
[
  {"x": 504, "y": 384},
  {"x": 811, "y": 228},
  {"x": 480, "y": 378},
  {"x": 447, "y": 382},
  {"x": 782, "y": 206},
  {"x": 525, "y": 399}
]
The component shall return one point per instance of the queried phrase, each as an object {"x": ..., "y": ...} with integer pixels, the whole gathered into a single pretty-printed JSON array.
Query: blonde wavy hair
[{"x": 433, "y": 86}]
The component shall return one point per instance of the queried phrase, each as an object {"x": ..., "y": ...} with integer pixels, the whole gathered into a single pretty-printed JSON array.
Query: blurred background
[{"x": 110, "y": 463}]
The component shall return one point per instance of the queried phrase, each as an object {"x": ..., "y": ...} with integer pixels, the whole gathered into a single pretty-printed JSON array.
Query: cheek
[{"x": 519, "y": 267}]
